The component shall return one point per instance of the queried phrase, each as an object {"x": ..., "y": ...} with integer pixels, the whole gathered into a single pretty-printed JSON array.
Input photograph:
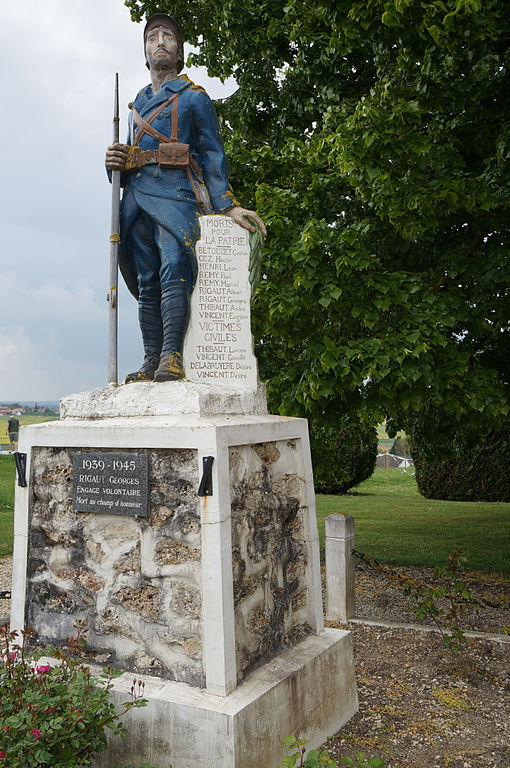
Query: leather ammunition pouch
[
  {"x": 137, "y": 158},
  {"x": 173, "y": 154},
  {"x": 169, "y": 155}
]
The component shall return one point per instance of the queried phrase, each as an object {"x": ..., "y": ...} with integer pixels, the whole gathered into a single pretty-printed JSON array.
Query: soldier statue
[{"x": 173, "y": 170}]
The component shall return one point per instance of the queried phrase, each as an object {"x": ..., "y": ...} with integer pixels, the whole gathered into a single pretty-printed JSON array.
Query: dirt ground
[
  {"x": 420, "y": 705},
  {"x": 419, "y": 708}
]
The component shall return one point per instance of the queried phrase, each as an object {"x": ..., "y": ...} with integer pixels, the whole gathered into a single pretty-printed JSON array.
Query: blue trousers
[{"x": 165, "y": 277}]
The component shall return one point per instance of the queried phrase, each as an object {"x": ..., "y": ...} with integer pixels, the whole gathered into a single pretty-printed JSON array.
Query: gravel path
[{"x": 379, "y": 596}]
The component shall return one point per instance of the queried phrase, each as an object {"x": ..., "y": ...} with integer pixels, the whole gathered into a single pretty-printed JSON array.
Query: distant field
[
  {"x": 396, "y": 525},
  {"x": 384, "y": 442},
  {"x": 382, "y": 434},
  {"x": 27, "y": 419},
  {"x": 24, "y": 419}
]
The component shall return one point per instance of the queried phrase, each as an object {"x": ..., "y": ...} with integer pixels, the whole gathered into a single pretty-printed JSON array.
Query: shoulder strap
[
  {"x": 146, "y": 127},
  {"x": 175, "y": 119}
]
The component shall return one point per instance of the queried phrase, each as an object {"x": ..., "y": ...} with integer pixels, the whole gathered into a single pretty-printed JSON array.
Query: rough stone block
[
  {"x": 89, "y": 567},
  {"x": 269, "y": 503},
  {"x": 162, "y": 399}
]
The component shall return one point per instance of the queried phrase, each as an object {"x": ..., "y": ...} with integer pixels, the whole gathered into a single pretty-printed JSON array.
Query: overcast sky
[{"x": 59, "y": 60}]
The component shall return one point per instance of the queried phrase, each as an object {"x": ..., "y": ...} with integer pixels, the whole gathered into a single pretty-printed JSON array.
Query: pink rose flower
[
  {"x": 6, "y": 728},
  {"x": 48, "y": 711},
  {"x": 12, "y": 655},
  {"x": 43, "y": 669},
  {"x": 36, "y": 734},
  {"x": 2, "y": 755}
]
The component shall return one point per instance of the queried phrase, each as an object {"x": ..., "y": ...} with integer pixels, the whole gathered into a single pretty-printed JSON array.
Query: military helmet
[{"x": 164, "y": 18}]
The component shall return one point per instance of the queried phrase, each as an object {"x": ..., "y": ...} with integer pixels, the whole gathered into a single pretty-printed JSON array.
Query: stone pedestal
[
  {"x": 217, "y": 596},
  {"x": 202, "y": 590}
]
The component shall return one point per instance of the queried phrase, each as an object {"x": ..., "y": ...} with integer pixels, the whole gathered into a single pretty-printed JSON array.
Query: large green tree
[{"x": 374, "y": 138}]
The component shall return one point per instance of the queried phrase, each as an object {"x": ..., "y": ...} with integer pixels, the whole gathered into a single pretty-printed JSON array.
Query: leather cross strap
[
  {"x": 140, "y": 157},
  {"x": 146, "y": 127},
  {"x": 175, "y": 119}
]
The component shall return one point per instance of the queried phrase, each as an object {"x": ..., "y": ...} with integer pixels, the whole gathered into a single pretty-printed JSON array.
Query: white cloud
[
  {"x": 53, "y": 299},
  {"x": 45, "y": 345},
  {"x": 35, "y": 364}
]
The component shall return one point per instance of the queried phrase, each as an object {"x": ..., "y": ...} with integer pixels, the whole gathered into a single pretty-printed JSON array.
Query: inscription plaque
[
  {"x": 111, "y": 483},
  {"x": 218, "y": 346}
]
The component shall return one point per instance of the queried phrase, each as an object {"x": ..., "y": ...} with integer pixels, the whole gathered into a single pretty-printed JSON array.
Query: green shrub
[
  {"x": 468, "y": 468},
  {"x": 53, "y": 715},
  {"x": 343, "y": 454}
]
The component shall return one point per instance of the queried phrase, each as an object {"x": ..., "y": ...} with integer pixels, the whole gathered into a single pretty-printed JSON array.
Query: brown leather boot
[
  {"x": 146, "y": 372},
  {"x": 170, "y": 367}
]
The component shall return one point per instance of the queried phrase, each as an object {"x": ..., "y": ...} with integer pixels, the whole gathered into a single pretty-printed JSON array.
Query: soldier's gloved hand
[
  {"x": 242, "y": 216},
  {"x": 116, "y": 156}
]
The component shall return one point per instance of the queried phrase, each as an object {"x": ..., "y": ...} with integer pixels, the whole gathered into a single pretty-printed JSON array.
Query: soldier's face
[{"x": 161, "y": 47}]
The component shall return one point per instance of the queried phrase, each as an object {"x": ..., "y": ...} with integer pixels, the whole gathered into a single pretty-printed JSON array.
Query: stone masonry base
[
  {"x": 259, "y": 664},
  {"x": 308, "y": 690}
]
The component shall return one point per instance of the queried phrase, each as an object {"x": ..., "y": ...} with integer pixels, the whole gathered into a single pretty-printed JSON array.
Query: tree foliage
[{"x": 374, "y": 138}]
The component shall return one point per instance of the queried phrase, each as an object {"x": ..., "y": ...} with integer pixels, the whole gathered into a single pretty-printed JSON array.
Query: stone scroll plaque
[
  {"x": 218, "y": 347},
  {"x": 111, "y": 483}
]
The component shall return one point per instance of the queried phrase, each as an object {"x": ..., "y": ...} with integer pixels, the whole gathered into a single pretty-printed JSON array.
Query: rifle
[{"x": 114, "y": 253}]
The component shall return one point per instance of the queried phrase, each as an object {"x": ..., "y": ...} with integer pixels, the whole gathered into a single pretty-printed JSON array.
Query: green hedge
[
  {"x": 343, "y": 454},
  {"x": 468, "y": 468}
]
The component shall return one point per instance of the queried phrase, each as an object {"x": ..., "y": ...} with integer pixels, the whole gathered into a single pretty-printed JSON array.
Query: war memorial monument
[{"x": 173, "y": 515}]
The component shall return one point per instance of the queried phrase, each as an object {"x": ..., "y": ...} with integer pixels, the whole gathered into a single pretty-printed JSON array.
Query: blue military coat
[{"x": 166, "y": 194}]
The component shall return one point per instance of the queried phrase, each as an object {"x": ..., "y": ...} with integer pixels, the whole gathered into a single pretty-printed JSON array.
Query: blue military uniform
[{"x": 159, "y": 213}]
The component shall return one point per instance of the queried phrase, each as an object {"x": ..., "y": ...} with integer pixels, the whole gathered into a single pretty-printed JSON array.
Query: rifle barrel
[{"x": 114, "y": 254}]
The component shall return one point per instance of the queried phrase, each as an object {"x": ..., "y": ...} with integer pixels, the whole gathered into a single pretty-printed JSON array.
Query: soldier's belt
[{"x": 170, "y": 154}]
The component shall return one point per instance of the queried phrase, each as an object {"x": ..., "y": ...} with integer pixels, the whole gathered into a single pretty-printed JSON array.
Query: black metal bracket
[
  {"x": 5, "y": 594},
  {"x": 205, "y": 488},
  {"x": 21, "y": 466}
]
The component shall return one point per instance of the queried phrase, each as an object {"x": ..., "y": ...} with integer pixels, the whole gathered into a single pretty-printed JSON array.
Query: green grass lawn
[
  {"x": 396, "y": 525},
  {"x": 7, "y": 480}
]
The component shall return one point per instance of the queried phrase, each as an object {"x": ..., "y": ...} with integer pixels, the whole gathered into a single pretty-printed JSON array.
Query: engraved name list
[{"x": 219, "y": 343}]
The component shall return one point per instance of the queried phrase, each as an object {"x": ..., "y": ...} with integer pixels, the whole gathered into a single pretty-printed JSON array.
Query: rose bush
[{"x": 53, "y": 714}]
